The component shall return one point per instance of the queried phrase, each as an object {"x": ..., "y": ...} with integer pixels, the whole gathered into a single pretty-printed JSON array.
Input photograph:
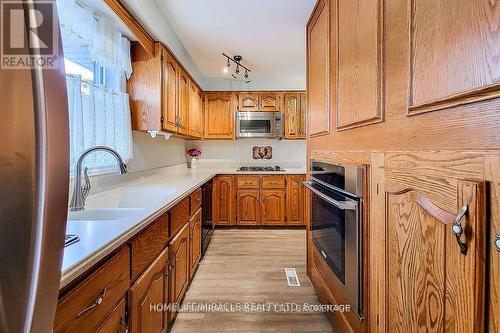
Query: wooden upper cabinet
[
  {"x": 170, "y": 72},
  {"x": 453, "y": 54},
  {"x": 223, "y": 200},
  {"x": 432, "y": 285},
  {"x": 318, "y": 69},
  {"x": 270, "y": 101},
  {"x": 195, "y": 112},
  {"x": 248, "y": 207},
  {"x": 149, "y": 289},
  {"x": 248, "y": 102},
  {"x": 360, "y": 76},
  {"x": 219, "y": 115},
  {"x": 273, "y": 206},
  {"x": 144, "y": 89},
  {"x": 183, "y": 114},
  {"x": 294, "y": 113},
  {"x": 295, "y": 200}
]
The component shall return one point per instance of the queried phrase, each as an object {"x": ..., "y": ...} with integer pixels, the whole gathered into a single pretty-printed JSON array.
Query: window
[{"x": 97, "y": 63}]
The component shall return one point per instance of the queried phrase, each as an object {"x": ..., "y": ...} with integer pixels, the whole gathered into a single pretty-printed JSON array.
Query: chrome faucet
[{"x": 80, "y": 192}]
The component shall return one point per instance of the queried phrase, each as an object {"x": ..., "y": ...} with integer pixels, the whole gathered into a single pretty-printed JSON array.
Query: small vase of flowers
[{"x": 193, "y": 153}]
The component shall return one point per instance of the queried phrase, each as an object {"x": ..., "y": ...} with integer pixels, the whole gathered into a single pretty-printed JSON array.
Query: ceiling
[{"x": 269, "y": 34}]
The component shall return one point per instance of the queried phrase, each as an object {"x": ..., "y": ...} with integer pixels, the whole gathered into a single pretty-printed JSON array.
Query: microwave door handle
[{"x": 338, "y": 204}]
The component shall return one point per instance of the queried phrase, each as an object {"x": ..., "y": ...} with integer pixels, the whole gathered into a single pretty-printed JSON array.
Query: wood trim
[{"x": 131, "y": 22}]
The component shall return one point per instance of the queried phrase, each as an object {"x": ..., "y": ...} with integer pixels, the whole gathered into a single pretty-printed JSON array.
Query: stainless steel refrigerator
[{"x": 34, "y": 157}]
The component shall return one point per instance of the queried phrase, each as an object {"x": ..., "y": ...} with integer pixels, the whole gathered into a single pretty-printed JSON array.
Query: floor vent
[{"x": 291, "y": 277}]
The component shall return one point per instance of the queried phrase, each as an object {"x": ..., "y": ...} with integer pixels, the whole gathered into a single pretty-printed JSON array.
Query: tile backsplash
[{"x": 284, "y": 151}]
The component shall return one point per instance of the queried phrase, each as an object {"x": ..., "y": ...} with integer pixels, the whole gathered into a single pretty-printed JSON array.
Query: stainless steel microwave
[{"x": 259, "y": 125}]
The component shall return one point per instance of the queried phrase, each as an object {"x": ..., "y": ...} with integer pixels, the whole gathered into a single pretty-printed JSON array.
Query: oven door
[
  {"x": 255, "y": 125},
  {"x": 336, "y": 234}
]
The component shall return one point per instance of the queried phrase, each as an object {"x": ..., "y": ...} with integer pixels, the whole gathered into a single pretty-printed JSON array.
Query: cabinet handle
[
  {"x": 97, "y": 302},
  {"x": 124, "y": 325},
  {"x": 458, "y": 230},
  {"x": 497, "y": 242}
]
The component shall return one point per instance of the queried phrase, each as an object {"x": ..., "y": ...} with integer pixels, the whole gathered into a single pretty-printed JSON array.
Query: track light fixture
[{"x": 237, "y": 60}]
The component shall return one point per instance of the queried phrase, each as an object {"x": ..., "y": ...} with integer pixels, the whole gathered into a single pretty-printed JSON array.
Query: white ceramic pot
[{"x": 193, "y": 165}]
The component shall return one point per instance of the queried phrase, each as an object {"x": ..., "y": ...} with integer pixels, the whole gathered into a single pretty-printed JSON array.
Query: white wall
[{"x": 284, "y": 151}]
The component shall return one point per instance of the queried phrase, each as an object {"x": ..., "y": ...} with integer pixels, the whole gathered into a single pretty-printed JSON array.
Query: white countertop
[{"x": 100, "y": 238}]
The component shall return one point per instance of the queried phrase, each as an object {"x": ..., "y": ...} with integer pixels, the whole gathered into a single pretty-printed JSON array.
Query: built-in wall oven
[
  {"x": 254, "y": 124},
  {"x": 336, "y": 225}
]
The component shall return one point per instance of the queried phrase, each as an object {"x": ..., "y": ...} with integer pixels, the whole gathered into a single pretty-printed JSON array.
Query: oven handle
[{"x": 338, "y": 204}]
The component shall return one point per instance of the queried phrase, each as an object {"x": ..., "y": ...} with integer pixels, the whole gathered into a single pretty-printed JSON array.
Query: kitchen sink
[
  {"x": 103, "y": 214},
  {"x": 129, "y": 198}
]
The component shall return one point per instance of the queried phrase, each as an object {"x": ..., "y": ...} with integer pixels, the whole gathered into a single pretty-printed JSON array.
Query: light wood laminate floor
[{"x": 247, "y": 266}]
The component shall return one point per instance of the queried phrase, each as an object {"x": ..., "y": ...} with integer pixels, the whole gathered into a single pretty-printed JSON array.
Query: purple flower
[{"x": 194, "y": 152}]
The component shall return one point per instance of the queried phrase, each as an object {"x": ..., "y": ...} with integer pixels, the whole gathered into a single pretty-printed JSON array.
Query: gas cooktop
[{"x": 261, "y": 168}]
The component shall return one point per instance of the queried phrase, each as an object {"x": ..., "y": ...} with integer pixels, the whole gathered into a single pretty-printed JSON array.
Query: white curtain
[
  {"x": 107, "y": 47},
  {"x": 98, "y": 116}
]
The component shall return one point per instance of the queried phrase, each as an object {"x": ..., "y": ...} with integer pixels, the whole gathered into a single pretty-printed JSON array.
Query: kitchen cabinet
[
  {"x": 116, "y": 321},
  {"x": 248, "y": 101},
  {"x": 318, "y": 71},
  {"x": 294, "y": 116},
  {"x": 270, "y": 101},
  {"x": 179, "y": 216},
  {"x": 248, "y": 207},
  {"x": 219, "y": 115},
  {"x": 194, "y": 242},
  {"x": 359, "y": 83},
  {"x": 223, "y": 200},
  {"x": 179, "y": 263},
  {"x": 150, "y": 288},
  {"x": 160, "y": 94},
  {"x": 295, "y": 200},
  {"x": 273, "y": 206}
]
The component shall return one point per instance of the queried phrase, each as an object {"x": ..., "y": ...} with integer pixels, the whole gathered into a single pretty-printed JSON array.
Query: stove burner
[{"x": 261, "y": 168}]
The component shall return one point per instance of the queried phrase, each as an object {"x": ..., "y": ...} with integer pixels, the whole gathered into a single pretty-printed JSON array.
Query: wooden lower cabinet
[
  {"x": 295, "y": 200},
  {"x": 194, "y": 242},
  {"x": 150, "y": 288},
  {"x": 179, "y": 263},
  {"x": 273, "y": 206},
  {"x": 223, "y": 205},
  {"x": 248, "y": 207},
  {"x": 116, "y": 321}
]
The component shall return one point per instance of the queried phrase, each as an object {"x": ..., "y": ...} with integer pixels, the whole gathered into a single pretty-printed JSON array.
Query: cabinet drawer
[
  {"x": 273, "y": 182},
  {"x": 115, "y": 323},
  {"x": 85, "y": 307},
  {"x": 146, "y": 247},
  {"x": 194, "y": 201},
  {"x": 248, "y": 181},
  {"x": 179, "y": 216}
]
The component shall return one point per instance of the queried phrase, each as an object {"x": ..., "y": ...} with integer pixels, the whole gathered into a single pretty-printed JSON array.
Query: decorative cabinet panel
[
  {"x": 150, "y": 288},
  {"x": 294, "y": 112},
  {"x": 248, "y": 207},
  {"x": 194, "y": 242},
  {"x": 116, "y": 321},
  {"x": 318, "y": 71},
  {"x": 195, "y": 119},
  {"x": 183, "y": 114},
  {"x": 295, "y": 200},
  {"x": 223, "y": 200},
  {"x": 170, "y": 72},
  {"x": 270, "y": 102},
  {"x": 359, "y": 83},
  {"x": 219, "y": 116},
  {"x": 273, "y": 206},
  {"x": 248, "y": 102},
  {"x": 453, "y": 54},
  {"x": 179, "y": 264}
]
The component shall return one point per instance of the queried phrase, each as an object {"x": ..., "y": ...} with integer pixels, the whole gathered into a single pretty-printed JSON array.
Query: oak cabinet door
[
  {"x": 170, "y": 72},
  {"x": 194, "y": 242},
  {"x": 194, "y": 118},
  {"x": 273, "y": 206},
  {"x": 303, "y": 116},
  {"x": 295, "y": 200},
  {"x": 179, "y": 259},
  {"x": 183, "y": 113},
  {"x": 293, "y": 116},
  {"x": 248, "y": 207},
  {"x": 270, "y": 102},
  {"x": 116, "y": 321},
  {"x": 248, "y": 102},
  {"x": 149, "y": 289},
  {"x": 318, "y": 73},
  {"x": 219, "y": 116},
  {"x": 223, "y": 200}
]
